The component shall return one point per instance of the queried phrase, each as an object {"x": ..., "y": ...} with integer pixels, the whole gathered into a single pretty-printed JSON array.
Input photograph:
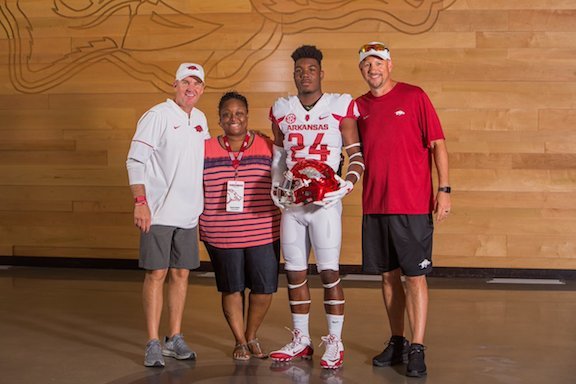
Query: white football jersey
[{"x": 314, "y": 134}]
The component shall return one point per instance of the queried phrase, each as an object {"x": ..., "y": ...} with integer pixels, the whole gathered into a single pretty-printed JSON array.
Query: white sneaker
[
  {"x": 300, "y": 346},
  {"x": 334, "y": 355}
]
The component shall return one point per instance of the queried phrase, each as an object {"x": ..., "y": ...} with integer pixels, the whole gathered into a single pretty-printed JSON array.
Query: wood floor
[{"x": 86, "y": 326}]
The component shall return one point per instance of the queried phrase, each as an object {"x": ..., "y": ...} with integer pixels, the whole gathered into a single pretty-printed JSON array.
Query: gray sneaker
[
  {"x": 153, "y": 355},
  {"x": 176, "y": 347}
]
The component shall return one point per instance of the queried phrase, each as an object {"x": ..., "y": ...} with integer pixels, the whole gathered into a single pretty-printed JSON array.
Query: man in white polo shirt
[{"x": 165, "y": 165}]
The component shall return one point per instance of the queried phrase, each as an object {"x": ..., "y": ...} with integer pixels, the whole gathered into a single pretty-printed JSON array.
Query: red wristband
[{"x": 140, "y": 200}]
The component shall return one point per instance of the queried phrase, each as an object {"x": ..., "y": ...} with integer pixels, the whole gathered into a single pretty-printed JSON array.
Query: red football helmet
[{"x": 307, "y": 181}]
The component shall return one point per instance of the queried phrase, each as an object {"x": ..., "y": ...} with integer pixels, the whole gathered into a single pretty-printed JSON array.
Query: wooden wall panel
[{"x": 74, "y": 81}]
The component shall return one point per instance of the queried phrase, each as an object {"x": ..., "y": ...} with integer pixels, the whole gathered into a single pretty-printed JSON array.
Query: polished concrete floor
[{"x": 86, "y": 326}]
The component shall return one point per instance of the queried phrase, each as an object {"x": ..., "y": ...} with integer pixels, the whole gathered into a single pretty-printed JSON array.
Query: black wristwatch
[{"x": 444, "y": 189}]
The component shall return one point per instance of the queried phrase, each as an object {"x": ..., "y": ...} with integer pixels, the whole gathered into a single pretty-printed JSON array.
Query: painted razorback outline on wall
[{"x": 269, "y": 21}]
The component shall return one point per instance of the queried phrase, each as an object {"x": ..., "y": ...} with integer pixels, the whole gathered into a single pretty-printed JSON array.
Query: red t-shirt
[{"x": 396, "y": 131}]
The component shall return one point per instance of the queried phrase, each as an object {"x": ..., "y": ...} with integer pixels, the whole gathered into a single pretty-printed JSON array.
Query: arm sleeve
[
  {"x": 148, "y": 133},
  {"x": 278, "y": 164},
  {"x": 136, "y": 171}
]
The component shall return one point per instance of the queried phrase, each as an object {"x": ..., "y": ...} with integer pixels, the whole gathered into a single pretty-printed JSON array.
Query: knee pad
[
  {"x": 295, "y": 258},
  {"x": 331, "y": 264}
]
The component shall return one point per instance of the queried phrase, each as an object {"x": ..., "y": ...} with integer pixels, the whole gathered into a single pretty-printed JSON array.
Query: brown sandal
[
  {"x": 241, "y": 352},
  {"x": 256, "y": 349}
]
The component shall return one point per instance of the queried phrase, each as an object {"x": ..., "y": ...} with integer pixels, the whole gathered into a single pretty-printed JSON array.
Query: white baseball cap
[
  {"x": 190, "y": 69},
  {"x": 374, "y": 48}
]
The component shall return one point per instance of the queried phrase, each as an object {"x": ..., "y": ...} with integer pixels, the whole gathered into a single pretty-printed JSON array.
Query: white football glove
[
  {"x": 277, "y": 173},
  {"x": 331, "y": 198},
  {"x": 275, "y": 196}
]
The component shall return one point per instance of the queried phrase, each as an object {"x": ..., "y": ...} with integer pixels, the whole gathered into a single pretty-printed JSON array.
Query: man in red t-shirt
[{"x": 400, "y": 133}]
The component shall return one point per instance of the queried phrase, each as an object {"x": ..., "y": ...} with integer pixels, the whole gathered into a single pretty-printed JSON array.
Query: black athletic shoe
[
  {"x": 396, "y": 352},
  {"x": 416, "y": 366}
]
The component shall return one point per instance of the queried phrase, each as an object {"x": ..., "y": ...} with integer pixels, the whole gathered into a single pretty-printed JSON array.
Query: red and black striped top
[{"x": 259, "y": 223}]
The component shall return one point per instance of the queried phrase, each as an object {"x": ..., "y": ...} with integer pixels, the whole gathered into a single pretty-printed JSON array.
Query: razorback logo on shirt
[{"x": 198, "y": 128}]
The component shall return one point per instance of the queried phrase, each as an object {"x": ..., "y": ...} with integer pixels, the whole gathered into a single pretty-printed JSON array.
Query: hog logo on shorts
[
  {"x": 112, "y": 34},
  {"x": 291, "y": 118},
  {"x": 306, "y": 182}
]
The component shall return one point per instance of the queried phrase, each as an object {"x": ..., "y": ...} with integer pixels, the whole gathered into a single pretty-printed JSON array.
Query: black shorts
[
  {"x": 255, "y": 268},
  {"x": 166, "y": 247},
  {"x": 397, "y": 241}
]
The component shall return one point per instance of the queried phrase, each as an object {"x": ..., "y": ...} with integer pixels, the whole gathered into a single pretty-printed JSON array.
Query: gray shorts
[{"x": 166, "y": 247}]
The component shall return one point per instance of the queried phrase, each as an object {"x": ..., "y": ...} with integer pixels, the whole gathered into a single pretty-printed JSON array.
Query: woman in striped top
[{"x": 240, "y": 224}]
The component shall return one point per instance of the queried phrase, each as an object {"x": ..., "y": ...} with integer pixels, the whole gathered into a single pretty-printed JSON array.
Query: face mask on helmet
[{"x": 306, "y": 182}]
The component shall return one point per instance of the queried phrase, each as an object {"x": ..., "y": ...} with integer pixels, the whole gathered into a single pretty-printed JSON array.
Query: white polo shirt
[{"x": 167, "y": 156}]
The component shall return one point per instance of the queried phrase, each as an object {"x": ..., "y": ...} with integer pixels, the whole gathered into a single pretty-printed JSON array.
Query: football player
[{"x": 314, "y": 126}]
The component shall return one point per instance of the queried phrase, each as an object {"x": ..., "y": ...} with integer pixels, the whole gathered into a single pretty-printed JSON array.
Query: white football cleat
[{"x": 300, "y": 346}]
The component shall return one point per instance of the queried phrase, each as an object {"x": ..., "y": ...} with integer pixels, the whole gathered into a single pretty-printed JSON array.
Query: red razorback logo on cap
[{"x": 193, "y": 68}]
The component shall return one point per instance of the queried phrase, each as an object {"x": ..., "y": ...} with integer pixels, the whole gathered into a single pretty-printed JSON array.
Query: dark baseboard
[
  {"x": 68, "y": 262},
  {"x": 97, "y": 263},
  {"x": 515, "y": 273}
]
